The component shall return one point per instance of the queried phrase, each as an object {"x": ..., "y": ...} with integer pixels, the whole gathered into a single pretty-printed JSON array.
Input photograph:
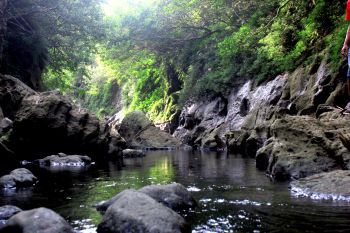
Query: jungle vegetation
[{"x": 154, "y": 57}]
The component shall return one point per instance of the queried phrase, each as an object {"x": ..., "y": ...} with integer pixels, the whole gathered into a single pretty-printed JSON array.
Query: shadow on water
[{"x": 233, "y": 195}]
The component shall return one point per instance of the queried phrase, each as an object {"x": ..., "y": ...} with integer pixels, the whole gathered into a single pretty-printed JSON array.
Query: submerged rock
[
  {"x": 134, "y": 211},
  {"x": 139, "y": 132},
  {"x": 130, "y": 153},
  {"x": 175, "y": 196},
  {"x": 333, "y": 185},
  {"x": 41, "y": 220},
  {"x": 20, "y": 177},
  {"x": 65, "y": 160}
]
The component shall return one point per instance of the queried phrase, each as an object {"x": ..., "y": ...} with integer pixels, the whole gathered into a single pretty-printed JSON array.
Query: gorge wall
[{"x": 291, "y": 124}]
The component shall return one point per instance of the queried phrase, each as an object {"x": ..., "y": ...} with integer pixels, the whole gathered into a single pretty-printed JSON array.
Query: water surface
[{"x": 233, "y": 196}]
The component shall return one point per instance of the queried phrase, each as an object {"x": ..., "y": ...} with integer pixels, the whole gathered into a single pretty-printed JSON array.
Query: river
[{"x": 233, "y": 196}]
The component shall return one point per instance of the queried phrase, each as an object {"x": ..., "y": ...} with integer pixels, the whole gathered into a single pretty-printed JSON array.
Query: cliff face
[{"x": 290, "y": 123}]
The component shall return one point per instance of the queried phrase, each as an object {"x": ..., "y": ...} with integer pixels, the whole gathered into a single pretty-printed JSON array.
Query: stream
[{"x": 233, "y": 196}]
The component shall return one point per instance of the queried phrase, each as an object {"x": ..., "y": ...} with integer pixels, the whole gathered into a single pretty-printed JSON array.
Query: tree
[{"x": 61, "y": 34}]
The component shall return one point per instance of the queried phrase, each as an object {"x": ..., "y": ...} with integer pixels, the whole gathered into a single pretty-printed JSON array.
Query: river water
[{"x": 233, "y": 196}]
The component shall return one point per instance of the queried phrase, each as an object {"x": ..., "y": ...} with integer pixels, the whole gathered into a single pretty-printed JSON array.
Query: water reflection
[{"x": 232, "y": 194}]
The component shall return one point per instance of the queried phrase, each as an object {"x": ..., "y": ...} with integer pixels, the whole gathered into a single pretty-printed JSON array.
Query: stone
[
  {"x": 302, "y": 146},
  {"x": 134, "y": 211},
  {"x": 20, "y": 177},
  {"x": 41, "y": 220},
  {"x": 175, "y": 196},
  {"x": 5, "y": 125},
  {"x": 140, "y": 133},
  {"x": 12, "y": 91},
  {"x": 6, "y": 212},
  {"x": 65, "y": 160},
  {"x": 130, "y": 153},
  {"x": 333, "y": 185}
]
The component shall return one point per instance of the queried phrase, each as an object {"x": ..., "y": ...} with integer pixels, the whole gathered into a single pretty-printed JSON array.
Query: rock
[
  {"x": 130, "y": 153},
  {"x": 37, "y": 220},
  {"x": 41, "y": 120},
  {"x": 7, "y": 211},
  {"x": 65, "y": 160},
  {"x": 175, "y": 196},
  {"x": 20, "y": 177},
  {"x": 333, "y": 185},
  {"x": 5, "y": 125},
  {"x": 12, "y": 91},
  {"x": 139, "y": 132},
  {"x": 134, "y": 211},
  {"x": 301, "y": 146},
  {"x": 1, "y": 114}
]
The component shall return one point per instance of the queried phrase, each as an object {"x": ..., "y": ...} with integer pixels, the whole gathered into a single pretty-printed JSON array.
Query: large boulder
[
  {"x": 333, "y": 185},
  {"x": 12, "y": 91},
  {"x": 134, "y": 211},
  {"x": 48, "y": 123},
  {"x": 39, "y": 220},
  {"x": 139, "y": 132},
  {"x": 301, "y": 146},
  {"x": 175, "y": 196},
  {"x": 20, "y": 177}
]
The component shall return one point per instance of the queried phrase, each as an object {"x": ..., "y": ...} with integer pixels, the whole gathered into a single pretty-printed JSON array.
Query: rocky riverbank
[{"x": 290, "y": 124}]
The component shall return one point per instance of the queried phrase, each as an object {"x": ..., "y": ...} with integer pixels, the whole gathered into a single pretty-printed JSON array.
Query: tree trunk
[{"x": 3, "y": 26}]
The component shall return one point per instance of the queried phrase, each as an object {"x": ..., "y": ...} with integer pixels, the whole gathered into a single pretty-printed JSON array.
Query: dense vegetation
[{"x": 159, "y": 56}]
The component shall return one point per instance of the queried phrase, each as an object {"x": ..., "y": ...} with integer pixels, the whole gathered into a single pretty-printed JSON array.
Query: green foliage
[{"x": 161, "y": 56}]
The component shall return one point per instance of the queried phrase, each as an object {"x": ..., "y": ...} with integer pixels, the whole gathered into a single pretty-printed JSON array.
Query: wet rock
[
  {"x": 6, "y": 212},
  {"x": 65, "y": 160},
  {"x": 333, "y": 185},
  {"x": 134, "y": 211},
  {"x": 139, "y": 132},
  {"x": 302, "y": 146},
  {"x": 47, "y": 123},
  {"x": 41, "y": 220},
  {"x": 20, "y": 177},
  {"x": 175, "y": 196},
  {"x": 5, "y": 125},
  {"x": 130, "y": 153}
]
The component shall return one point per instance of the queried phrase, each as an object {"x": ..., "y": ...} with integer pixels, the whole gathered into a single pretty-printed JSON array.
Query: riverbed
[{"x": 233, "y": 196}]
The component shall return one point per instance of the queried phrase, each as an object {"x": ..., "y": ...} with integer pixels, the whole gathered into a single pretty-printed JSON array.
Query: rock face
[
  {"x": 65, "y": 160},
  {"x": 134, "y": 211},
  {"x": 20, "y": 177},
  {"x": 302, "y": 146},
  {"x": 37, "y": 220},
  {"x": 47, "y": 123},
  {"x": 332, "y": 185},
  {"x": 290, "y": 124},
  {"x": 139, "y": 132}
]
